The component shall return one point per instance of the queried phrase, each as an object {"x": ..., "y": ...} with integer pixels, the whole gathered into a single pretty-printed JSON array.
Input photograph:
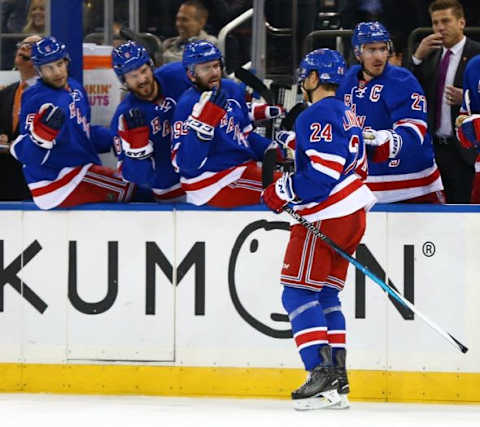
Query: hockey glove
[
  {"x": 207, "y": 113},
  {"x": 46, "y": 125},
  {"x": 279, "y": 193},
  {"x": 468, "y": 131},
  {"x": 266, "y": 112},
  {"x": 287, "y": 139},
  {"x": 386, "y": 144},
  {"x": 134, "y": 132}
]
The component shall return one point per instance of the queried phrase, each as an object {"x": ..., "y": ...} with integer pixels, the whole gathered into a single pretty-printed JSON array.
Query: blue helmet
[
  {"x": 329, "y": 65},
  {"x": 128, "y": 57},
  {"x": 369, "y": 32},
  {"x": 198, "y": 52},
  {"x": 47, "y": 50}
]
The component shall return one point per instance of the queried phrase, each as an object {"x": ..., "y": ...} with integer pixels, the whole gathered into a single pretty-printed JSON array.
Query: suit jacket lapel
[{"x": 466, "y": 55}]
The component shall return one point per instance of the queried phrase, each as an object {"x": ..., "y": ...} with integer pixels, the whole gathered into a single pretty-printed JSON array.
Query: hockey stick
[
  {"x": 255, "y": 83},
  {"x": 310, "y": 227},
  {"x": 268, "y": 166},
  {"x": 289, "y": 121}
]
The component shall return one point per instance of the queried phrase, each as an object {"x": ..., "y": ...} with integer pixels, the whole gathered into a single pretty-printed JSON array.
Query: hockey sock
[
  {"x": 335, "y": 320},
  {"x": 308, "y": 323}
]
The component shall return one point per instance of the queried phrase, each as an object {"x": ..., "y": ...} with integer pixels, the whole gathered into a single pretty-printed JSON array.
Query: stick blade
[{"x": 461, "y": 347}]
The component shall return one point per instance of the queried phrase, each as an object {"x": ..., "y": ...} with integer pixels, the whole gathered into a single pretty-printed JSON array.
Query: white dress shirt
[{"x": 446, "y": 127}]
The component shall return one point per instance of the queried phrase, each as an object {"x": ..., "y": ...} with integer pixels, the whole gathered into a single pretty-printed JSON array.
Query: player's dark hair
[
  {"x": 202, "y": 11},
  {"x": 457, "y": 8},
  {"x": 329, "y": 86}
]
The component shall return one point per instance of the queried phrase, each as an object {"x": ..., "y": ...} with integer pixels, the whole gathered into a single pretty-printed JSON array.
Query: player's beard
[
  {"x": 206, "y": 85},
  {"x": 375, "y": 69},
  {"x": 57, "y": 82},
  {"x": 145, "y": 90}
]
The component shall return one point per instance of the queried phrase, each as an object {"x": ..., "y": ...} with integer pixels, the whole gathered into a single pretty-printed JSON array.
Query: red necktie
[
  {"x": 442, "y": 74},
  {"x": 17, "y": 104}
]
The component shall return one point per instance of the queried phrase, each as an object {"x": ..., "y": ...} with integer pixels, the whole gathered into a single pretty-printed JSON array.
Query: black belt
[{"x": 444, "y": 140}]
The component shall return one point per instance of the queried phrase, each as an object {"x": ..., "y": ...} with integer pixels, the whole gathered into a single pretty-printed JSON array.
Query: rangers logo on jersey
[
  {"x": 166, "y": 105},
  {"x": 360, "y": 91}
]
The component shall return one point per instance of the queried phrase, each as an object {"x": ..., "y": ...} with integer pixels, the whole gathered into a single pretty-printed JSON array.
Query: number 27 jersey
[{"x": 395, "y": 100}]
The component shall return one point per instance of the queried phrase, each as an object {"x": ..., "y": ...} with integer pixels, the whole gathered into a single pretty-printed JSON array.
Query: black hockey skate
[
  {"x": 320, "y": 389},
  {"x": 343, "y": 386}
]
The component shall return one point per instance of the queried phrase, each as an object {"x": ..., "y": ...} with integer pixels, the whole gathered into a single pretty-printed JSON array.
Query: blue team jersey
[
  {"x": 208, "y": 166},
  {"x": 155, "y": 172},
  {"x": 329, "y": 155},
  {"x": 395, "y": 100},
  {"x": 175, "y": 76},
  {"x": 471, "y": 86},
  {"x": 58, "y": 170}
]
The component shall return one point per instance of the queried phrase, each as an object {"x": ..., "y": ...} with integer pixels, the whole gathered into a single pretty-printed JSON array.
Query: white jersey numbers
[
  {"x": 353, "y": 144},
  {"x": 318, "y": 133},
  {"x": 419, "y": 102}
]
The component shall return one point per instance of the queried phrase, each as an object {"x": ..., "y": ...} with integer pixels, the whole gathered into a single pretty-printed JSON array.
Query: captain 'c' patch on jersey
[
  {"x": 318, "y": 133},
  {"x": 375, "y": 93}
]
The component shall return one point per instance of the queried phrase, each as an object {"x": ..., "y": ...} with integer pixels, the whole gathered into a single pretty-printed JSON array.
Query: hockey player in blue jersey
[
  {"x": 142, "y": 123},
  {"x": 392, "y": 109},
  {"x": 328, "y": 192},
  {"x": 258, "y": 111},
  {"x": 468, "y": 122},
  {"x": 57, "y": 144},
  {"x": 214, "y": 148}
]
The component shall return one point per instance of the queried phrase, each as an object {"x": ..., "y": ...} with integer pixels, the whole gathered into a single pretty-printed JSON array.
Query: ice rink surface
[{"x": 34, "y": 410}]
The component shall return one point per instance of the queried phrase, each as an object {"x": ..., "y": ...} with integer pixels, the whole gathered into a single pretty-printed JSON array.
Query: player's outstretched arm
[
  {"x": 407, "y": 107},
  {"x": 386, "y": 144},
  {"x": 260, "y": 112},
  {"x": 102, "y": 138}
]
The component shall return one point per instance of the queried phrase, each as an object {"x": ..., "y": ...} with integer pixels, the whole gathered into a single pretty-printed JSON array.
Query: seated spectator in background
[
  {"x": 57, "y": 145},
  {"x": 35, "y": 17},
  {"x": 190, "y": 21},
  {"x": 12, "y": 182}
]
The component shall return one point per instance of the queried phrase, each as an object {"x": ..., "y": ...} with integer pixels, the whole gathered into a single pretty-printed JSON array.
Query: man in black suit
[
  {"x": 439, "y": 63},
  {"x": 12, "y": 182}
]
